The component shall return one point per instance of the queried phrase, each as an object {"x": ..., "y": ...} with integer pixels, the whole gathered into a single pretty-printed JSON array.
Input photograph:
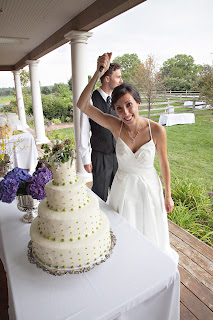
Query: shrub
[
  {"x": 11, "y": 107},
  {"x": 193, "y": 209},
  {"x": 56, "y": 121},
  {"x": 56, "y": 107}
]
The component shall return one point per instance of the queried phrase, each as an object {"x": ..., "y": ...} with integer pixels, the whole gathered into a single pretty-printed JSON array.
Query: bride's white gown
[{"x": 137, "y": 194}]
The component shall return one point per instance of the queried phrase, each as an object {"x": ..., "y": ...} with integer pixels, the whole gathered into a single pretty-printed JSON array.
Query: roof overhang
[{"x": 40, "y": 25}]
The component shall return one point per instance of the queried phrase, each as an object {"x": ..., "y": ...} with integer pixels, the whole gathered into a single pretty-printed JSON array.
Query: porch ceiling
[{"x": 40, "y": 25}]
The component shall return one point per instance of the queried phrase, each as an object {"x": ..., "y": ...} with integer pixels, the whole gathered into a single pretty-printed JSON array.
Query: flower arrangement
[
  {"x": 61, "y": 151},
  {"x": 6, "y": 149},
  {"x": 5, "y": 133},
  {"x": 19, "y": 182}
]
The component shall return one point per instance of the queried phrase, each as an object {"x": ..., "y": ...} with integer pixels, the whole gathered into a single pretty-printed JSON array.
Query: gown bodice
[{"x": 131, "y": 162}]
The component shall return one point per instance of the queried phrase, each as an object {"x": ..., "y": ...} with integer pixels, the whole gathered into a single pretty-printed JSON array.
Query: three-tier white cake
[{"x": 70, "y": 231}]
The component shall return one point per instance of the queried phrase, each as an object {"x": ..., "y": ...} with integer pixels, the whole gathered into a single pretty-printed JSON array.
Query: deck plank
[
  {"x": 194, "y": 242},
  {"x": 199, "y": 273},
  {"x": 197, "y": 288},
  {"x": 192, "y": 253},
  {"x": 195, "y": 305},
  {"x": 185, "y": 314}
]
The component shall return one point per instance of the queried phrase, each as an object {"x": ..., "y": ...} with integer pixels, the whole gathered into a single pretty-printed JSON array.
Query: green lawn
[
  {"x": 6, "y": 99},
  {"x": 190, "y": 150}
]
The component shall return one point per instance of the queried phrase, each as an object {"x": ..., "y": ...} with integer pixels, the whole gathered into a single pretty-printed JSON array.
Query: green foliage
[
  {"x": 129, "y": 64},
  {"x": 193, "y": 209},
  {"x": 206, "y": 84},
  {"x": 69, "y": 119},
  {"x": 55, "y": 107},
  {"x": 6, "y": 92},
  {"x": 46, "y": 90},
  {"x": 62, "y": 89},
  {"x": 60, "y": 151},
  {"x": 180, "y": 73},
  {"x": 11, "y": 107},
  {"x": 70, "y": 84},
  {"x": 56, "y": 121},
  {"x": 24, "y": 78}
]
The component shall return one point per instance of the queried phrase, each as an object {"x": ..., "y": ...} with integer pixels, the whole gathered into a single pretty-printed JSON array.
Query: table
[
  {"x": 176, "y": 118},
  {"x": 137, "y": 282},
  {"x": 22, "y": 150}
]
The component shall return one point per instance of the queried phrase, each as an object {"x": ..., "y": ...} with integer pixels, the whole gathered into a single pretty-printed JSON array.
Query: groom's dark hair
[
  {"x": 112, "y": 67},
  {"x": 121, "y": 90}
]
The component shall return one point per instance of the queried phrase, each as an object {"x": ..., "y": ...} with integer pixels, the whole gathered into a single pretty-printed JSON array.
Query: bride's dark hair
[{"x": 121, "y": 90}]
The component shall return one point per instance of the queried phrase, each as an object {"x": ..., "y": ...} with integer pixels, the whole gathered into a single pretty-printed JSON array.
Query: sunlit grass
[{"x": 6, "y": 99}]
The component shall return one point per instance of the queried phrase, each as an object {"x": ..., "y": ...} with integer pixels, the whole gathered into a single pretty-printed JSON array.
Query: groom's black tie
[{"x": 108, "y": 101}]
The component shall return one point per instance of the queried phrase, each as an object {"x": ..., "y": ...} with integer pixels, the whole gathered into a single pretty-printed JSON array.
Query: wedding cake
[{"x": 70, "y": 230}]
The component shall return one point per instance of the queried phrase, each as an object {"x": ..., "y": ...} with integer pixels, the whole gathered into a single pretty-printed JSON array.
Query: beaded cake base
[{"x": 60, "y": 272}]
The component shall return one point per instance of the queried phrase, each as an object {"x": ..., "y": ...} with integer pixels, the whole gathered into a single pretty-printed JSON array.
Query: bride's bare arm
[
  {"x": 161, "y": 146},
  {"x": 105, "y": 120}
]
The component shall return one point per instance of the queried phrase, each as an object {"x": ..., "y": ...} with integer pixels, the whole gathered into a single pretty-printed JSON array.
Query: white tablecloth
[
  {"x": 137, "y": 282},
  {"x": 177, "y": 118},
  {"x": 23, "y": 151}
]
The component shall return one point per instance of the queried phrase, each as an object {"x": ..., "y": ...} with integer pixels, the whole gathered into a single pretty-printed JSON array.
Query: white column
[
  {"x": 79, "y": 63},
  {"x": 19, "y": 99},
  {"x": 36, "y": 103}
]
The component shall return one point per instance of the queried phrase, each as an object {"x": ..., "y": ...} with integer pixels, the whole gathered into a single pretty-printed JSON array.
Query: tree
[
  {"x": 46, "y": 90},
  {"x": 180, "y": 73},
  {"x": 70, "y": 84},
  {"x": 129, "y": 64},
  {"x": 148, "y": 79},
  {"x": 61, "y": 89},
  {"x": 206, "y": 84},
  {"x": 24, "y": 78},
  {"x": 89, "y": 78}
]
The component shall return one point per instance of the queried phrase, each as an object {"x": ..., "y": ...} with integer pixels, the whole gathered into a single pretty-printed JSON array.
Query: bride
[{"x": 136, "y": 192}]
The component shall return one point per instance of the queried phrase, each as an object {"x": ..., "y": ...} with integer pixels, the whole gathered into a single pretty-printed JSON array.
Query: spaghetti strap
[
  {"x": 120, "y": 128},
  {"x": 150, "y": 132}
]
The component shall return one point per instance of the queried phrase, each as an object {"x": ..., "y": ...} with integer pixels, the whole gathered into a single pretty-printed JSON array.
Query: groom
[{"x": 102, "y": 162}]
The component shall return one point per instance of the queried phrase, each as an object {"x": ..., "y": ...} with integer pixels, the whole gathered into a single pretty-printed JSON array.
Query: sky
[{"x": 161, "y": 28}]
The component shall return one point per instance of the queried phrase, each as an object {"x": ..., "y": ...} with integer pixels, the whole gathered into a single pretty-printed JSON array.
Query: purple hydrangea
[
  {"x": 43, "y": 174},
  {"x": 20, "y": 175},
  {"x": 8, "y": 189},
  {"x": 37, "y": 183},
  {"x": 36, "y": 190}
]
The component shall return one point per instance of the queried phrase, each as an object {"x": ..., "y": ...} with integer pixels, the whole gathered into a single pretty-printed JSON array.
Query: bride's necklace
[{"x": 133, "y": 139}]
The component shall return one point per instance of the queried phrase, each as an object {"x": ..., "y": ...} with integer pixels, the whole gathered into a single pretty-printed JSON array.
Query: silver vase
[
  {"x": 4, "y": 168},
  {"x": 29, "y": 205}
]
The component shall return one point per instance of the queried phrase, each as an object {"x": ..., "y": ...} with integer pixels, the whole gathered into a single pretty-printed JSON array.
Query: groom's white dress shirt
[{"x": 85, "y": 147}]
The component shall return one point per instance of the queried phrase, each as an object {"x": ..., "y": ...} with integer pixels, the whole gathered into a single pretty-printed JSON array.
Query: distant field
[{"x": 6, "y": 99}]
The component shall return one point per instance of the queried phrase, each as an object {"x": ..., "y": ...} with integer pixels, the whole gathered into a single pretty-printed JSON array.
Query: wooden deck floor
[{"x": 196, "y": 270}]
